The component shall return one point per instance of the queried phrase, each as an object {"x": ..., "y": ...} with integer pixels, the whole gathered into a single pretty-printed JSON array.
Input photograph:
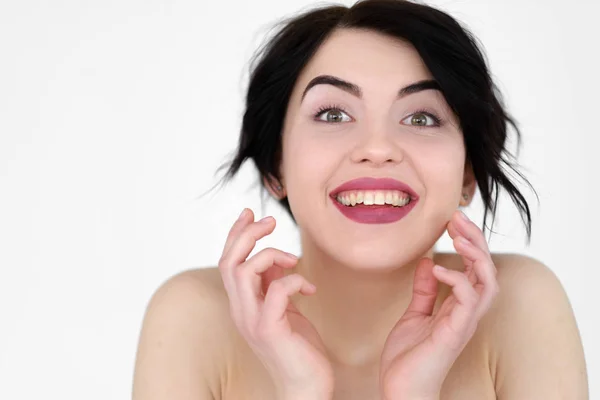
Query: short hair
[{"x": 450, "y": 52}]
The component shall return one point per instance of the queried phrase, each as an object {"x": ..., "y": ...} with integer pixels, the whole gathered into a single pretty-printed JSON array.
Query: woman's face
[{"x": 376, "y": 134}]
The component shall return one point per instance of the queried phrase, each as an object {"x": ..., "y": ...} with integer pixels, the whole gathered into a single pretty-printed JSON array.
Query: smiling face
[{"x": 355, "y": 122}]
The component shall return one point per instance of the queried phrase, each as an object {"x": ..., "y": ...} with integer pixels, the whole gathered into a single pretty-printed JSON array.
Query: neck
[{"x": 353, "y": 309}]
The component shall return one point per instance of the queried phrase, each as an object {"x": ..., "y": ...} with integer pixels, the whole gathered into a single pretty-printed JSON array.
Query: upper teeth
[{"x": 371, "y": 197}]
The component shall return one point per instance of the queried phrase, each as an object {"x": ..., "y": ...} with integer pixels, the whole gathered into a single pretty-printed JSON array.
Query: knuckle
[
  {"x": 464, "y": 279},
  {"x": 223, "y": 261},
  {"x": 294, "y": 279},
  {"x": 246, "y": 234},
  {"x": 284, "y": 285},
  {"x": 239, "y": 272},
  {"x": 246, "y": 240},
  {"x": 471, "y": 298},
  {"x": 269, "y": 252},
  {"x": 279, "y": 285}
]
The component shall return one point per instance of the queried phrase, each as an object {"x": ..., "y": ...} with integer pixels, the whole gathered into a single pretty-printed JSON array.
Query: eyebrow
[{"x": 355, "y": 90}]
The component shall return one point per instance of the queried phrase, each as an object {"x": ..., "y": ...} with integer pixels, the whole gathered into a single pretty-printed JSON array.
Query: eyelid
[
  {"x": 436, "y": 119},
  {"x": 332, "y": 107}
]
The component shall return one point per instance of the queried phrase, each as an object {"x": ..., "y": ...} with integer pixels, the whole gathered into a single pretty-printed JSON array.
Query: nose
[{"x": 376, "y": 148}]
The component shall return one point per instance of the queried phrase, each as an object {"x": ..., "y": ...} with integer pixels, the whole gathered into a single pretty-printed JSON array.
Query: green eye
[
  {"x": 332, "y": 115},
  {"x": 420, "y": 119}
]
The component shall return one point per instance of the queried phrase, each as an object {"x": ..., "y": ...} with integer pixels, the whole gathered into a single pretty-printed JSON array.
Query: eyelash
[{"x": 437, "y": 120}]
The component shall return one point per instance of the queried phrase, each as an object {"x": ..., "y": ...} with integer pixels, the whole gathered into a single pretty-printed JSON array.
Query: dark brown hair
[{"x": 449, "y": 51}]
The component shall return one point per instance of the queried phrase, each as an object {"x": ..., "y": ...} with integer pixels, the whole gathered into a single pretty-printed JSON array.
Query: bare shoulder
[
  {"x": 525, "y": 283},
  {"x": 208, "y": 277},
  {"x": 513, "y": 266},
  {"x": 534, "y": 333},
  {"x": 514, "y": 271},
  {"x": 182, "y": 340},
  {"x": 520, "y": 278},
  {"x": 532, "y": 343}
]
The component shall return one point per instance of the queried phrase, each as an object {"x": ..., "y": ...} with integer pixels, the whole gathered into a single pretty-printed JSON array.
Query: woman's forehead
[{"x": 365, "y": 58}]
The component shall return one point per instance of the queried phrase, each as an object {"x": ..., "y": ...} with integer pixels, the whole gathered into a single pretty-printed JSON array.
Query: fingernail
[
  {"x": 440, "y": 268},
  {"x": 463, "y": 216},
  {"x": 242, "y": 214},
  {"x": 292, "y": 256},
  {"x": 265, "y": 220}
]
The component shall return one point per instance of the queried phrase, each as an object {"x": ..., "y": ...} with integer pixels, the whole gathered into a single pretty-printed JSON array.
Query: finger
[
  {"x": 463, "y": 312},
  {"x": 487, "y": 285},
  {"x": 459, "y": 227},
  {"x": 487, "y": 290},
  {"x": 277, "y": 300},
  {"x": 484, "y": 268},
  {"x": 425, "y": 288},
  {"x": 242, "y": 246},
  {"x": 470, "y": 271},
  {"x": 238, "y": 253},
  {"x": 246, "y": 217},
  {"x": 486, "y": 274},
  {"x": 467, "y": 257},
  {"x": 463, "y": 226},
  {"x": 249, "y": 279},
  {"x": 454, "y": 233}
]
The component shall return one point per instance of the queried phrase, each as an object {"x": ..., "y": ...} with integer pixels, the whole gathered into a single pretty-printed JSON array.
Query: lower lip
[{"x": 374, "y": 214}]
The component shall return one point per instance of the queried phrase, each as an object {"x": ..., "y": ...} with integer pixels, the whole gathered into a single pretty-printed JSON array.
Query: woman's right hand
[{"x": 285, "y": 341}]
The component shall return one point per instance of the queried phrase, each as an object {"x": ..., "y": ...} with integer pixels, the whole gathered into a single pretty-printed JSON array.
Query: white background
[{"x": 114, "y": 115}]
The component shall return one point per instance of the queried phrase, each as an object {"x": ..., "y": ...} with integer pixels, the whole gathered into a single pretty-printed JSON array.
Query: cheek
[
  {"x": 443, "y": 157},
  {"x": 442, "y": 172},
  {"x": 307, "y": 181},
  {"x": 311, "y": 160},
  {"x": 308, "y": 164}
]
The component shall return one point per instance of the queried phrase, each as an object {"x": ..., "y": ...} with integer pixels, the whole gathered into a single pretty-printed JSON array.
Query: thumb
[{"x": 425, "y": 287}]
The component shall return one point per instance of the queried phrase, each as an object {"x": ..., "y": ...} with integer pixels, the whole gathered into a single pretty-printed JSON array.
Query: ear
[
  {"x": 469, "y": 185},
  {"x": 275, "y": 187}
]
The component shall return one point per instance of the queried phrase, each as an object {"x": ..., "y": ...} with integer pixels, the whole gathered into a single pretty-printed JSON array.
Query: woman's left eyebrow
[{"x": 355, "y": 90}]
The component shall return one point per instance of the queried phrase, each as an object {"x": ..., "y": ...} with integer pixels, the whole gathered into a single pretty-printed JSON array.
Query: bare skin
[
  {"x": 483, "y": 370},
  {"x": 526, "y": 346}
]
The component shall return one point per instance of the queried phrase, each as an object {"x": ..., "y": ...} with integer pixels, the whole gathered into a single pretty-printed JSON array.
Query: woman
[{"x": 371, "y": 125}]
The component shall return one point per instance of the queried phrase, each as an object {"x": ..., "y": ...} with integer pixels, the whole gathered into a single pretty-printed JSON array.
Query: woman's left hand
[{"x": 422, "y": 347}]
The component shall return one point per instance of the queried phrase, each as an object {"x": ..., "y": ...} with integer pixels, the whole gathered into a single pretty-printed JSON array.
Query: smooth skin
[
  {"x": 285, "y": 341},
  {"x": 423, "y": 345},
  {"x": 202, "y": 336}
]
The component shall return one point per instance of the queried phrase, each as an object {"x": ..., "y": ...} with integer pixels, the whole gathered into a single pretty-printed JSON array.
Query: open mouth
[
  {"x": 374, "y": 200},
  {"x": 370, "y": 198},
  {"x": 368, "y": 207}
]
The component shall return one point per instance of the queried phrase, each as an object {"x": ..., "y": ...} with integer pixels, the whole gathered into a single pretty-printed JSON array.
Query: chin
[
  {"x": 379, "y": 255},
  {"x": 383, "y": 253}
]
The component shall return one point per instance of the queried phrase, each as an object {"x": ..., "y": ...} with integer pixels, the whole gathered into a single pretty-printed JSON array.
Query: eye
[
  {"x": 333, "y": 114},
  {"x": 419, "y": 119}
]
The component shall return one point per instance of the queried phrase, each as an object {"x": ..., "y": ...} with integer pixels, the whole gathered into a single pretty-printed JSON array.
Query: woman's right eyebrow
[{"x": 355, "y": 90}]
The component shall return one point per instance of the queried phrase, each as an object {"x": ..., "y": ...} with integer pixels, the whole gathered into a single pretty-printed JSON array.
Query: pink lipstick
[{"x": 373, "y": 213}]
